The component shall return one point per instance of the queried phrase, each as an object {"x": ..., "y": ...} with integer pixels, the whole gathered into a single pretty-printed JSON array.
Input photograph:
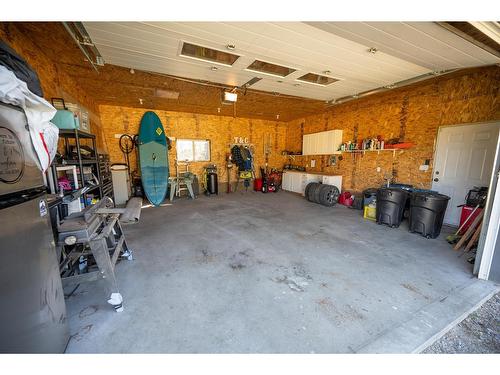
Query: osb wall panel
[
  {"x": 54, "y": 79},
  {"x": 413, "y": 113},
  {"x": 220, "y": 130}
]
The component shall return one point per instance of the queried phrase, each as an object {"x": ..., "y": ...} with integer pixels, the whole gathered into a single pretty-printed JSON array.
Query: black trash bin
[
  {"x": 427, "y": 211},
  {"x": 390, "y": 206}
]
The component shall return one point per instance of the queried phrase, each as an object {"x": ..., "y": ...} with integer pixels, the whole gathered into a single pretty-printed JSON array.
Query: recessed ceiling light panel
[
  {"x": 317, "y": 79},
  {"x": 271, "y": 69},
  {"x": 208, "y": 54}
]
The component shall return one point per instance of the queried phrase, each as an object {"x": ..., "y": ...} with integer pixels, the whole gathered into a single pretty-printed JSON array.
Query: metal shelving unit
[{"x": 79, "y": 162}]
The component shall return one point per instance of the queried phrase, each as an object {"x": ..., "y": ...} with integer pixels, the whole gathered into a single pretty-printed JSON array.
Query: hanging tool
[
  {"x": 229, "y": 166},
  {"x": 127, "y": 145}
]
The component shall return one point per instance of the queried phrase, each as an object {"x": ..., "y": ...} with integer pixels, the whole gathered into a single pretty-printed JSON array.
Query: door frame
[{"x": 489, "y": 236}]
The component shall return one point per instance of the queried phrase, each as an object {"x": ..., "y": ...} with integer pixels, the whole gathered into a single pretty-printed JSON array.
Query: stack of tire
[{"x": 324, "y": 194}]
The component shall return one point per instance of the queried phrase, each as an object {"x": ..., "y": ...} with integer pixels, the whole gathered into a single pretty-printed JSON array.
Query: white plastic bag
[{"x": 39, "y": 112}]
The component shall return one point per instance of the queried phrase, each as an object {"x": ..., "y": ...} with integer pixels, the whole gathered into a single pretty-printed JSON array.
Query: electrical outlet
[
  {"x": 378, "y": 169},
  {"x": 424, "y": 167}
]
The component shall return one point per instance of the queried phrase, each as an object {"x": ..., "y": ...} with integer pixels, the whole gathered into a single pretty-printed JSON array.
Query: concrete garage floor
[{"x": 273, "y": 273}]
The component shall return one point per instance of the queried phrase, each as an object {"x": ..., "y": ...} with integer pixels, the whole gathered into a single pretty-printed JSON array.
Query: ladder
[
  {"x": 181, "y": 169},
  {"x": 182, "y": 181}
]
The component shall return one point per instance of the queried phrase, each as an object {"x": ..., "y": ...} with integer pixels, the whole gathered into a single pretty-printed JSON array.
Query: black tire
[
  {"x": 306, "y": 191},
  {"x": 310, "y": 193},
  {"x": 329, "y": 195},
  {"x": 316, "y": 192}
]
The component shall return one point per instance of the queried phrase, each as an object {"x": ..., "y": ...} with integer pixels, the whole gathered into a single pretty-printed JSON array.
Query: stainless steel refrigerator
[{"x": 32, "y": 307}]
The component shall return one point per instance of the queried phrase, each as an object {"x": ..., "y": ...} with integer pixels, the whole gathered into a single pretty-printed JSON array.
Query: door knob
[{"x": 436, "y": 179}]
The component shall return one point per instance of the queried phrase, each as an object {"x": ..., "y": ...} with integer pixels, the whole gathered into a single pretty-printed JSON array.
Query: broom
[{"x": 453, "y": 238}]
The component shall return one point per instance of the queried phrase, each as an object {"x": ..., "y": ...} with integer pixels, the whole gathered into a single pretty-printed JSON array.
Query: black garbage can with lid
[
  {"x": 427, "y": 211},
  {"x": 390, "y": 206}
]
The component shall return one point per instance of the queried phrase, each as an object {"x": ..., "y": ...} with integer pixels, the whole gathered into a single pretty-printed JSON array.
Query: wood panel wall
[
  {"x": 414, "y": 113},
  {"x": 220, "y": 130},
  {"x": 55, "y": 80}
]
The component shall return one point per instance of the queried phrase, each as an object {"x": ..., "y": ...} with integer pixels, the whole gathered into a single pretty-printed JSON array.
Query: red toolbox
[{"x": 466, "y": 212}]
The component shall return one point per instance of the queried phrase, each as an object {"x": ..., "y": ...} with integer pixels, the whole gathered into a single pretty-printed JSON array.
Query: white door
[{"x": 464, "y": 159}]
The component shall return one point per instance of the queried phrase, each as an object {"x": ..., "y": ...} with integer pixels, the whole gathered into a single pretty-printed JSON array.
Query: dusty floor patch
[
  {"x": 240, "y": 260},
  {"x": 478, "y": 333}
]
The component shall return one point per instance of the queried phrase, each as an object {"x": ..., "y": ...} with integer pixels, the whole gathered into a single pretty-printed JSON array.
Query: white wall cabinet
[
  {"x": 322, "y": 143},
  {"x": 297, "y": 181}
]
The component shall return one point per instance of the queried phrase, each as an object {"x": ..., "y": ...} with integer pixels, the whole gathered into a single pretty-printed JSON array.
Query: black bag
[
  {"x": 477, "y": 196},
  {"x": 12, "y": 61}
]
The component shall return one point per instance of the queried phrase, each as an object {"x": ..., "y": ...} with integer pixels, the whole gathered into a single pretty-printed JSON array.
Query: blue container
[
  {"x": 369, "y": 195},
  {"x": 65, "y": 119}
]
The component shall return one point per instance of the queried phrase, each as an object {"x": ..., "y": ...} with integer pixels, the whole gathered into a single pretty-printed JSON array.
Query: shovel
[{"x": 453, "y": 238}]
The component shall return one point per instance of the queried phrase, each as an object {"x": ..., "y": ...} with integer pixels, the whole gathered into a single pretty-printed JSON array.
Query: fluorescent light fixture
[
  {"x": 271, "y": 69},
  {"x": 167, "y": 94},
  {"x": 317, "y": 79},
  {"x": 208, "y": 54},
  {"x": 229, "y": 97}
]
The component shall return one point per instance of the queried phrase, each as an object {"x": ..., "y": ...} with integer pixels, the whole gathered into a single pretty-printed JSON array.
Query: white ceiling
[{"x": 405, "y": 50}]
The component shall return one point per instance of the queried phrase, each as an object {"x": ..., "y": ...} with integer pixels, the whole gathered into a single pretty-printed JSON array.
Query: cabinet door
[
  {"x": 306, "y": 144},
  {"x": 315, "y": 144},
  {"x": 337, "y": 141},
  {"x": 320, "y": 143},
  {"x": 297, "y": 182},
  {"x": 329, "y": 142},
  {"x": 286, "y": 181}
]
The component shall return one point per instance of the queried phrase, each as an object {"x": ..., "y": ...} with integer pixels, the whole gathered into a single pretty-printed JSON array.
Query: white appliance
[{"x": 121, "y": 183}]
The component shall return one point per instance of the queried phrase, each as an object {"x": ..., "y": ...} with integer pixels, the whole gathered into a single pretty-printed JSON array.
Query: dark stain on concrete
[
  {"x": 414, "y": 289},
  {"x": 88, "y": 311}
]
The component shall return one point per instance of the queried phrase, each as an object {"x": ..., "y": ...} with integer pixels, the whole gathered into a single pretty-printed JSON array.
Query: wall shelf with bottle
[{"x": 377, "y": 151}]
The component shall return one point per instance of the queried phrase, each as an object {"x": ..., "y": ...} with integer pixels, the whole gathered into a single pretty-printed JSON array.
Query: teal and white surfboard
[{"x": 153, "y": 158}]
